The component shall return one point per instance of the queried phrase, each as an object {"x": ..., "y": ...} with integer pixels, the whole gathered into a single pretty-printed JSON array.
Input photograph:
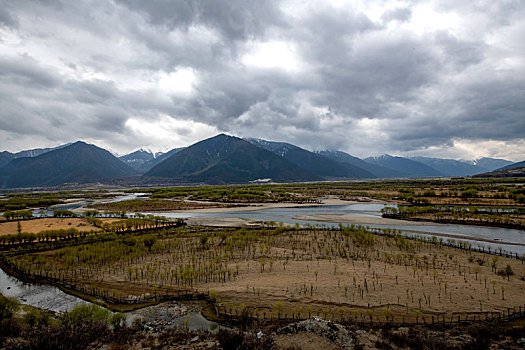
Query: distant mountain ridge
[
  {"x": 137, "y": 159},
  {"x": 35, "y": 152},
  {"x": 144, "y": 160},
  {"x": 6, "y": 157},
  {"x": 345, "y": 158},
  {"x": 74, "y": 163},
  {"x": 450, "y": 167},
  {"x": 227, "y": 159},
  {"x": 315, "y": 163},
  {"x": 405, "y": 166},
  {"x": 513, "y": 166},
  {"x": 491, "y": 163},
  {"x": 224, "y": 159},
  {"x": 502, "y": 173}
]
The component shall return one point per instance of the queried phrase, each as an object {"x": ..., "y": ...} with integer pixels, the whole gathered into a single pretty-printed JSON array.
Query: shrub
[{"x": 8, "y": 307}]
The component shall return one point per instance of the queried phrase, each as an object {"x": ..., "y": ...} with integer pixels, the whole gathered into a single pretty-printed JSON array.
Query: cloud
[
  {"x": 366, "y": 77},
  {"x": 178, "y": 82},
  {"x": 402, "y": 14},
  {"x": 163, "y": 130}
]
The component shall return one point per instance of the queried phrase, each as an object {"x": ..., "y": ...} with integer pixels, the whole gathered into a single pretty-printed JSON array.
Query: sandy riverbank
[
  {"x": 237, "y": 222},
  {"x": 262, "y": 206},
  {"x": 359, "y": 220}
]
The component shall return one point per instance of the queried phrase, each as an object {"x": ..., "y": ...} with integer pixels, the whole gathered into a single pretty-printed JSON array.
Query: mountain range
[
  {"x": 143, "y": 161},
  {"x": 226, "y": 159},
  {"x": 317, "y": 164},
  {"x": 513, "y": 166},
  {"x": 221, "y": 159},
  {"x": 78, "y": 162},
  {"x": 404, "y": 166}
]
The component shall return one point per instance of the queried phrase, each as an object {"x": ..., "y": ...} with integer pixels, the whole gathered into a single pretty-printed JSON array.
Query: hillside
[
  {"x": 35, "y": 152},
  {"x": 226, "y": 159},
  {"x": 159, "y": 157},
  {"x": 490, "y": 164},
  {"x": 345, "y": 158},
  {"x": 5, "y": 157},
  {"x": 315, "y": 163},
  {"x": 450, "y": 167},
  {"x": 143, "y": 161},
  {"x": 511, "y": 172},
  {"x": 137, "y": 159},
  {"x": 405, "y": 166},
  {"x": 75, "y": 163},
  {"x": 514, "y": 166}
]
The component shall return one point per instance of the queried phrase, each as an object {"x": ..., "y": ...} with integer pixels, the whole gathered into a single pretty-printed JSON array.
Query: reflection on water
[
  {"x": 42, "y": 296},
  {"x": 52, "y": 298},
  {"x": 81, "y": 204},
  {"x": 125, "y": 198}
]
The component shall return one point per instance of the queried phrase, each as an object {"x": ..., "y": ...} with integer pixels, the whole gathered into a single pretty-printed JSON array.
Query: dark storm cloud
[
  {"x": 364, "y": 77},
  {"x": 6, "y": 19},
  {"x": 25, "y": 70},
  {"x": 235, "y": 20}
]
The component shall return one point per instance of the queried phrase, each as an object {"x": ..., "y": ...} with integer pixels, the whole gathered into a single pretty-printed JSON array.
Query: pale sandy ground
[
  {"x": 452, "y": 282},
  {"x": 397, "y": 287},
  {"x": 261, "y": 206},
  {"x": 359, "y": 220},
  {"x": 222, "y": 222}
]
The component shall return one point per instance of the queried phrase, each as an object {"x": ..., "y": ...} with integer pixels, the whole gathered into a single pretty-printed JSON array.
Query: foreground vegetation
[{"x": 92, "y": 327}]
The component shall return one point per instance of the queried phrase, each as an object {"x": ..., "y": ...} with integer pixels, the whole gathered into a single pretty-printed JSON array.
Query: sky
[{"x": 416, "y": 78}]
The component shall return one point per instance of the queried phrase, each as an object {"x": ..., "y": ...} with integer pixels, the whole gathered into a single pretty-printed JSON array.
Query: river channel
[
  {"x": 507, "y": 240},
  {"x": 495, "y": 238},
  {"x": 168, "y": 314}
]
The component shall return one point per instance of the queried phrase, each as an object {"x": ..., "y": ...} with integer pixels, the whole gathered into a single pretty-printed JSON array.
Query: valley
[{"x": 276, "y": 253}]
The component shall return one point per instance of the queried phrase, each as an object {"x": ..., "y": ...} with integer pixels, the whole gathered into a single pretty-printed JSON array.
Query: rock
[
  {"x": 194, "y": 339},
  {"x": 333, "y": 332},
  {"x": 365, "y": 340}
]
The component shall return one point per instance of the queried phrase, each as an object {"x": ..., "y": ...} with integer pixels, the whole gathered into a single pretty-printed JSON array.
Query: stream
[{"x": 164, "y": 315}]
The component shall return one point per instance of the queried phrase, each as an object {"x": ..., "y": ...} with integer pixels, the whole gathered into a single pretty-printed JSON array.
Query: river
[
  {"x": 496, "y": 238},
  {"x": 509, "y": 240},
  {"x": 52, "y": 298}
]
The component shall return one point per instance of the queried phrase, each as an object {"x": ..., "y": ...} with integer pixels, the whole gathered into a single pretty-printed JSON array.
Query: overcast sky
[{"x": 438, "y": 78}]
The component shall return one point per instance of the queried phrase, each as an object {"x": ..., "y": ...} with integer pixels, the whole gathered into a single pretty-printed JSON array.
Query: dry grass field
[
  {"x": 268, "y": 273},
  {"x": 38, "y": 225}
]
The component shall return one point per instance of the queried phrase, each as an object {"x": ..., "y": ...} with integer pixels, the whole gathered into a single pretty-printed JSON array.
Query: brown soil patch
[
  {"x": 303, "y": 341},
  {"x": 45, "y": 224}
]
